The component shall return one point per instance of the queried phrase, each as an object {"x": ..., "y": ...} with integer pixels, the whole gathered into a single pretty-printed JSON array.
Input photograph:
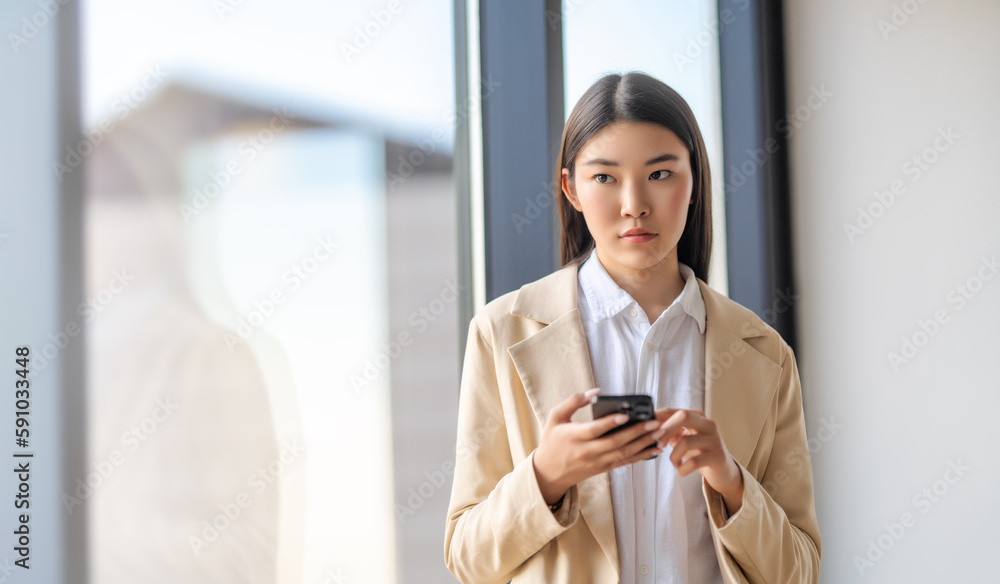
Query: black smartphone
[{"x": 638, "y": 407}]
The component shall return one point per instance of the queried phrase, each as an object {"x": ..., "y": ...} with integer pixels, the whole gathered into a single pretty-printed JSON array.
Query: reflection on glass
[{"x": 268, "y": 215}]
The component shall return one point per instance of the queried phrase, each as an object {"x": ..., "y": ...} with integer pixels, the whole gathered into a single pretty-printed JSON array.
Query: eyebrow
[{"x": 651, "y": 161}]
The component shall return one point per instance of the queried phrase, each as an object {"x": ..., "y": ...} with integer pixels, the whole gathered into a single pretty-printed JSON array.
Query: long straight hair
[{"x": 637, "y": 97}]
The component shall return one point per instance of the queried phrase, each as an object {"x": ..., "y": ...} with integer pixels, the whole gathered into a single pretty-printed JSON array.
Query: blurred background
[{"x": 243, "y": 241}]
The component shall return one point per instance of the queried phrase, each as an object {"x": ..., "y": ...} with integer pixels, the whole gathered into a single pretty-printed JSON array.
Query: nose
[{"x": 634, "y": 202}]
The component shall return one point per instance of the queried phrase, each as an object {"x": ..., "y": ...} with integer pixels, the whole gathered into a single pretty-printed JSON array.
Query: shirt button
[
  {"x": 633, "y": 313},
  {"x": 649, "y": 346},
  {"x": 644, "y": 570}
]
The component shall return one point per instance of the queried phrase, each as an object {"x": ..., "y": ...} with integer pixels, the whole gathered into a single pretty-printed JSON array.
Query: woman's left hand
[{"x": 697, "y": 446}]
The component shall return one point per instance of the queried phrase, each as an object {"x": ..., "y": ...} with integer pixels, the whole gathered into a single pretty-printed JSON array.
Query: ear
[{"x": 569, "y": 189}]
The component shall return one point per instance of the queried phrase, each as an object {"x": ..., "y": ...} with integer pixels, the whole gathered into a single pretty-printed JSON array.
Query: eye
[
  {"x": 604, "y": 178},
  {"x": 659, "y": 174}
]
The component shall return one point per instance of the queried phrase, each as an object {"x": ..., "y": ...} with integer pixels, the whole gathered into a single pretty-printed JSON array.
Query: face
[{"x": 633, "y": 184}]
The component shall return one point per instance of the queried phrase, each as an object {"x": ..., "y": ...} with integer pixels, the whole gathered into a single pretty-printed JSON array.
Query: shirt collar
[{"x": 606, "y": 299}]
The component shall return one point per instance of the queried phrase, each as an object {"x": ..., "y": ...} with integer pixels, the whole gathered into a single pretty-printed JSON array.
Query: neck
[{"x": 654, "y": 288}]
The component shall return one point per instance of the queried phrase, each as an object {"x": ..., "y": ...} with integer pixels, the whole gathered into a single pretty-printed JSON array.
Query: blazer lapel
[
  {"x": 553, "y": 364},
  {"x": 739, "y": 381}
]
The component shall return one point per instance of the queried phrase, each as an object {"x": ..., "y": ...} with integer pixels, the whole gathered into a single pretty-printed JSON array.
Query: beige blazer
[{"x": 527, "y": 351}]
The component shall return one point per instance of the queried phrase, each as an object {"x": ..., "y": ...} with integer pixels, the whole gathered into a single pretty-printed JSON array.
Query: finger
[
  {"x": 671, "y": 441},
  {"x": 690, "y": 439},
  {"x": 691, "y": 445},
  {"x": 626, "y": 435},
  {"x": 617, "y": 458},
  {"x": 644, "y": 454},
  {"x": 631, "y": 451},
  {"x": 641, "y": 444},
  {"x": 691, "y": 419},
  {"x": 663, "y": 414},
  {"x": 565, "y": 409},
  {"x": 695, "y": 462},
  {"x": 601, "y": 426}
]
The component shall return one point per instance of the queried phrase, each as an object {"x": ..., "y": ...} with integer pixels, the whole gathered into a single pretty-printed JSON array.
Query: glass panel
[
  {"x": 676, "y": 42},
  {"x": 271, "y": 261}
]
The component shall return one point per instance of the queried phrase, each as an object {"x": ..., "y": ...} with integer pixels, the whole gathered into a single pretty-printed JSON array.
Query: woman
[{"x": 540, "y": 493}]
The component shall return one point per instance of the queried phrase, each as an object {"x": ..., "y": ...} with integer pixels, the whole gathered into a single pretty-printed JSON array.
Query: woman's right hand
[{"x": 570, "y": 452}]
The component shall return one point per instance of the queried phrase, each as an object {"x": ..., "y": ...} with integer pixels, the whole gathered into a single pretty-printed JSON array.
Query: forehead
[{"x": 629, "y": 141}]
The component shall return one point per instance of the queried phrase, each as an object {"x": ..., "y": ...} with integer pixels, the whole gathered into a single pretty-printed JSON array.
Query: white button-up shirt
[{"x": 661, "y": 519}]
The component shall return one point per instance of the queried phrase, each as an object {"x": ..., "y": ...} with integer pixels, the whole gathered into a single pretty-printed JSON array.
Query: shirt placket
[{"x": 644, "y": 473}]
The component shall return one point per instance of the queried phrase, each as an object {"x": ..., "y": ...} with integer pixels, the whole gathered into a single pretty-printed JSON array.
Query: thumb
[{"x": 562, "y": 413}]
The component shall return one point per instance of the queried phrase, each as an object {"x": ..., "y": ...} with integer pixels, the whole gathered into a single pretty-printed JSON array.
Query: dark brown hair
[{"x": 637, "y": 97}]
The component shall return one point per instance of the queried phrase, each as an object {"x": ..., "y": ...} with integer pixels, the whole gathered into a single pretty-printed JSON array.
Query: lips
[{"x": 637, "y": 235}]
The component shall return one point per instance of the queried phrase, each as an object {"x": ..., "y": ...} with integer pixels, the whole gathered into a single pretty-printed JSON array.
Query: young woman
[{"x": 540, "y": 493}]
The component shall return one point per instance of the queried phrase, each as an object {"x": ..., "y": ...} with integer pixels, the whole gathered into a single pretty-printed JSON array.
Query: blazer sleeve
[
  {"x": 774, "y": 536},
  {"x": 497, "y": 517}
]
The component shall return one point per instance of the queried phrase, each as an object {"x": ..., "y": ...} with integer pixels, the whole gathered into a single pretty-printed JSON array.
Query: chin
[{"x": 637, "y": 259}]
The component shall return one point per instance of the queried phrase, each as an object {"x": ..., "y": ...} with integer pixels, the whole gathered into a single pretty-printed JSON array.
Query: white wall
[{"x": 896, "y": 87}]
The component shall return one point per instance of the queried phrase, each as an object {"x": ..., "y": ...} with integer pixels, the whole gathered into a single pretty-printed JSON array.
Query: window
[{"x": 271, "y": 243}]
